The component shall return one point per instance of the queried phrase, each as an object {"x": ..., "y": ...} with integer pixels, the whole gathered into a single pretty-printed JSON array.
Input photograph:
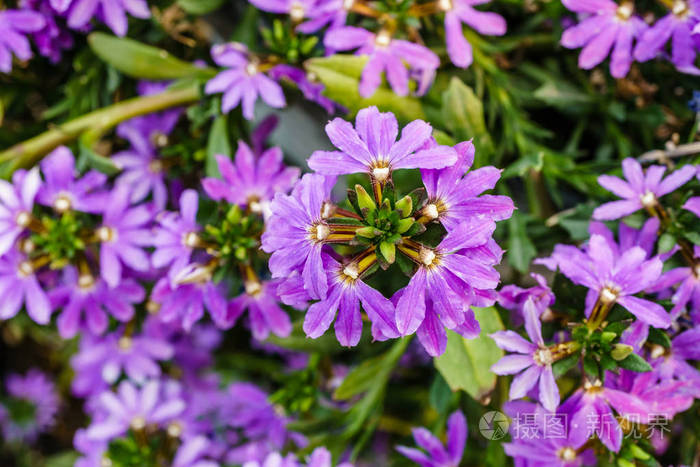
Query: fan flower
[
  {"x": 177, "y": 235},
  {"x": 606, "y": 26},
  {"x": 123, "y": 234},
  {"x": 16, "y": 206},
  {"x": 54, "y": 37},
  {"x": 311, "y": 90},
  {"x": 296, "y": 232},
  {"x": 462, "y": 11},
  {"x": 251, "y": 181},
  {"x": 385, "y": 55},
  {"x": 32, "y": 407},
  {"x": 687, "y": 295},
  {"x": 19, "y": 284},
  {"x": 331, "y": 13},
  {"x": 111, "y": 12},
  {"x": 192, "y": 453},
  {"x": 371, "y": 147},
  {"x": 243, "y": 81},
  {"x": 14, "y": 26},
  {"x": 264, "y": 313},
  {"x": 133, "y": 408},
  {"x": 437, "y": 454},
  {"x": 454, "y": 196},
  {"x": 533, "y": 358},
  {"x": 640, "y": 190}
]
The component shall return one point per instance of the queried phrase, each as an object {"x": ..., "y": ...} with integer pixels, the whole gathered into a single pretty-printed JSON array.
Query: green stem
[{"x": 29, "y": 152}]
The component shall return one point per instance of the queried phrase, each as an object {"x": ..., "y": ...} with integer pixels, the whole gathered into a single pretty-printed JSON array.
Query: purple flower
[
  {"x": 451, "y": 278},
  {"x": 311, "y": 90},
  {"x": 454, "y": 196},
  {"x": 296, "y": 233},
  {"x": 123, "y": 233},
  {"x": 177, "y": 235},
  {"x": 640, "y": 190},
  {"x": 16, "y": 205},
  {"x": 19, "y": 284},
  {"x": 346, "y": 291},
  {"x": 332, "y": 13},
  {"x": 243, "y": 81},
  {"x": 87, "y": 302},
  {"x": 674, "y": 362},
  {"x": 54, "y": 36},
  {"x": 63, "y": 190},
  {"x": 371, "y": 147},
  {"x": 192, "y": 452},
  {"x": 321, "y": 457},
  {"x": 274, "y": 459},
  {"x": 154, "y": 127},
  {"x": 606, "y": 26},
  {"x": 385, "y": 55},
  {"x": 437, "y": 454},
  {"x": 134, "y": 408},
  {"x": 688, "y": 292},
  {"x": 693, "y": 205},
  {"x": 142, "y": 170},
  {"x": 512, "y": 297},
  {"x": 296, "y": 9},
  {"x": 106, "y": 357},
  {"x": 614, "y": 278},
  {"x": 92, "y": 451},
  {"x": 14, "y": 25},
  {"x": 264, "y": 312},
  {"x": 251, "y": 181},
  {"x": 184, "y": 298},
  {"x": 678, "y": 27},
  {"x": 533, "y": 358},
  {"x": 39, "y": 392},
  {"x": 462, "y": 11},
  {"x": 112, "y": 12}
]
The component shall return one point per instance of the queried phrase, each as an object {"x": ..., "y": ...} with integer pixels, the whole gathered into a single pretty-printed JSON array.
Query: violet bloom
[
  {"x": 451, "y": 278},
  {"x": 274, "y": 459},
  {"x": 38, "y": 393},
  {"x": 462, "y": 11},
  {"x": 137, "y": 356},
  {"x": 14, "y": 26},
  {"x": 143, "y": 172},
  {"x": 454, "y": 196},
  {"x": 385, "y": 55},
  {"x": 133, "y": 408},
  {"x": 545, "y": 439},
  {"x": 20, "y": 285},
  {"x": 687, "y": 295},
  {"x": 346, "y": 291},
  {"x": 154, "y": 127},
  {"x": 674, "y": 362},
  {"x": 371, "y": 147},
  {"x": 331, "y": 13},
  {"x": 123, "y": 234},
  {"x": 87, "y": 302},
  {"x": 640, "y": 190},
  {"x": 311, "y": 90},
  {"x": 112, "y": 12},
  {"x": 678, "y": 27},
  {"x": 192, "y": 452},
  {"x": 177, "y": 235},
  {"x": 606, "y": 26},
  {"x": 534, "y": 359},
  {"x": 296, "y": 232},
  {"x": 54, "y": 36},
  {"x": 251, "y": 181},
  {"x": 614, "y": 279},
  {"x": 184, "y": 298},
  {"x": 91, "y": 451},
  {"x": 693, "y": 205},
  {"x": 16, "y": 206},
  {"x": 264, "y": 312},
  {"x": 437, "y": 454},
  {"x": 513, "y": 298},
  {"x": 64, "y": 190},
  {"x": 242, "y": 81},
  {"x": 321, "y": 457},
  {"x": 296, "y": 9}
]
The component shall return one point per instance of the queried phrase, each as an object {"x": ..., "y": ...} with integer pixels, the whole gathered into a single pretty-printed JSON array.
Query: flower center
[
  {"x": 594, "y": 387},
  {"x": 625, "y": 11},
  {"x": 253, "y": 288},
  {"x": 190, "y": 239},
  {"x": 23, "y": 219},
  {"x": 696, "y": 270},
  {"x": 567, "y": 454},
  {"x": 351, "y": 271},
  {"x": 159, "y": 139},
  {"x": 427, "y": 257},
  {"x": 174, "y": 429},
  {"x": 648, "y": 199},
  {"x": 106, "y": 234},
  {"x": 296, "y": 11},
  {"x": 86, "y": 281},
  {"x": 608, "y": 295},
  {"x": 383, "y": 38},
  {"x": 155, "y": 166},
  {"x": 381, "y": 174},
  {"x": 125, "y": 343},
  {"x": 543, "y": 356},
  {"x": 251, "y": 69},
  {"x": 680, "y": 8},
  {"x": 138, "y": 423},
  {"x": 62, "y": 203},
  {"x": 320, "y": 232},
  {"x": 445, "y": 5},
  {"x": 255, "y": 206},
  {"x": 431, "y": 211},
  {"x": 25, "y": 269}
]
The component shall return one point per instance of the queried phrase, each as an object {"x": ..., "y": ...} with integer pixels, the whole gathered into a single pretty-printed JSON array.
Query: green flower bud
[
  {"x": 388, "y": 251},
  {"x": 405, "y": 206},
  {"x": 621, "y": 351},
  {"x": 364, "y": 199}
]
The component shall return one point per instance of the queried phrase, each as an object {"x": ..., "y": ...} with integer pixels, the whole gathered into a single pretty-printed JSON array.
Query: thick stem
[{"x": 28, "y": 153}]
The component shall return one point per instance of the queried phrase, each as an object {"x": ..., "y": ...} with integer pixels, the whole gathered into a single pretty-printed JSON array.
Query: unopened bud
[{"x": 621, "y": 351}]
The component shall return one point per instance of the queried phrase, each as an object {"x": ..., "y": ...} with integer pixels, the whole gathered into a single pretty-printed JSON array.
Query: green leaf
[
  {"x": 463, "y": 113},
  {"x": 217, "y": 144},
  {"x": 360, "y": 378},
  {"x": 657, "y": 336},
  {"x": 634, "y": 363},
  {"x": 200, "y": 7},
  {"x": 562, "y": 94},
  {"x": 562, "y": 366},
  {"x": 341, "y": 76},
  {"x": 521, "y": 250},
  {"x": 62, "y": 459},
  {"x": 466, "y": 363},
  {"x": 143, "y": 61}
]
